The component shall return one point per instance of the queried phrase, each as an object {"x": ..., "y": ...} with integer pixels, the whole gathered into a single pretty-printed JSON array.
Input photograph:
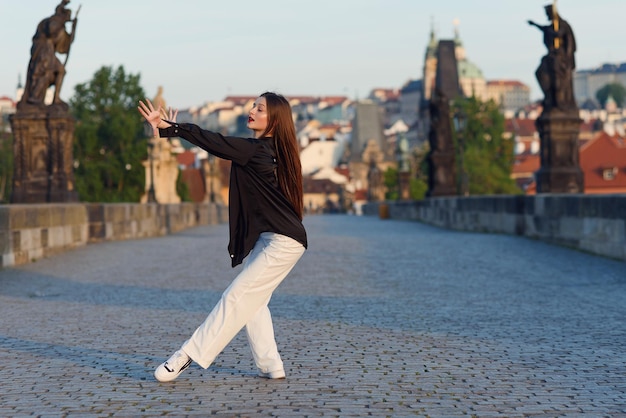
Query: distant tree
[
  {"x": 418, "y": 185},
  {"x": 182, "y": 189},
  {"x": 390, "y": 178},
  {"x": 418, "y": 180},
  {"x": 487, "y": 155},
  {"x": 616, "y": 90},
  {"x": 110, "y": 140}
]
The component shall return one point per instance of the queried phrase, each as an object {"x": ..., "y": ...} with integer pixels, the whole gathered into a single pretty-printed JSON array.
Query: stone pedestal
[
  {"x": 560, "y": 170},
  {"x": 42, "y": 147},
  {"x": 163, "y": 162},
  {"x": 404, "y": 182},
  {"x": 442, "y": 174}
]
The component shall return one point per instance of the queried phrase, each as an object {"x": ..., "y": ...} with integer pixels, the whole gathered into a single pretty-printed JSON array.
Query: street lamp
[
  {"x": 211, "y": 178},
  {"x": 460, "y": 122},
  {"x": 402, "y": 157},
  {"x": 151, "y": 193}
]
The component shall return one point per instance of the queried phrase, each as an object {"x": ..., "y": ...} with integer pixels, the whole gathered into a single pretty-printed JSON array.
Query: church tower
[
  {"x": 430, "y": 65},
  {"x": 19, "y": 91}
]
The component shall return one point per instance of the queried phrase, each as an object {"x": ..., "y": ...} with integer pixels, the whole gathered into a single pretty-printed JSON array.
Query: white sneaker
[
  {"x": 173, "y": 367},
  {"x": 277, "y": 374}
]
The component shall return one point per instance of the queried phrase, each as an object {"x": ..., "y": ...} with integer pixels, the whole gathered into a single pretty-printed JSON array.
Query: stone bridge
[{"x": 380, "y": 318}]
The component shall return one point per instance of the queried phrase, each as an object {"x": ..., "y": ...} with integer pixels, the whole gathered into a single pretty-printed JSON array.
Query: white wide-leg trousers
[{"x": 244, "y": 303}]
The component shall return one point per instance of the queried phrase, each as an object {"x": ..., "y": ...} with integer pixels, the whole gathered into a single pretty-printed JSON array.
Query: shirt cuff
[{"x": 170, "y": 131}]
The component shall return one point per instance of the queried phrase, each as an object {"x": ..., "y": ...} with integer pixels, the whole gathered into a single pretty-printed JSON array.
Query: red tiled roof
[
  {"x": 360, "y": 194},
  {"x": 526, "y": 164},
  {"x": 311, "y": 185},
  {"x": 389, "y": 94},
  {"x": 511, "y": 83},
  {"x": 604, "y": 152},
  {"x": 344, "y": 171},
  {"x": 333, "y": 100},
  {"x": 194, "y": 180},
  {"x": 239, "y": 100},
  {"x": 186, "y": 158},
  {"x": 520, "y": 127},
  {"x": 303, "y": 99}
]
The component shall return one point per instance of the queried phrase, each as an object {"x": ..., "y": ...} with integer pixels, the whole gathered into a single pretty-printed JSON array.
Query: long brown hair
[{"x": 281, "y": 127}]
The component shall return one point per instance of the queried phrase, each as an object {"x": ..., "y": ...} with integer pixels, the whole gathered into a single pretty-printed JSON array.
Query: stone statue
[
  {"x": 43, "y": 135},
  {"x": 559, "y": 123},
  {"x": 45, "y": 69},
  {"x": 555, "y": 73},
  {"x": 403, "y": 153}
]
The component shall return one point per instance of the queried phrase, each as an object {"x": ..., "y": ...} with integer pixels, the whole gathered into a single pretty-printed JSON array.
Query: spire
[
  {"x": 431, "y": 50},
  {"x": 158, "y": 99},
  {"x": 457, "y": 37},
  {"x": 458, "y": 45},
  {"x": 19, "y": 81}
]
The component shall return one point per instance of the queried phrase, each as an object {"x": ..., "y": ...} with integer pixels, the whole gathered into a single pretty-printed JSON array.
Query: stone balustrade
[
  {"x": 591, "y": 223},
  {"x": 32, "y": 231}
]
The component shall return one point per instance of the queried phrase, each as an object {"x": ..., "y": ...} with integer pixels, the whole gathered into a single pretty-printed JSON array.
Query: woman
[{"x": 265, "y": 220}]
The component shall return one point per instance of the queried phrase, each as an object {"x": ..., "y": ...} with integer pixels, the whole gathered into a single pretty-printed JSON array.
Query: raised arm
[
  {"x": 531, "y": 23},
  {"x": 155, "y": 116}
]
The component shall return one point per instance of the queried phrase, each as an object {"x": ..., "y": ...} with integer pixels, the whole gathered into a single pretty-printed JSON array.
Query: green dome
[{"x": 468, "y": 69}]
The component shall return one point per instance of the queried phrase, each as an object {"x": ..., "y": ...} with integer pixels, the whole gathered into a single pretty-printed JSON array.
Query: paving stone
[{"x": 379, "y": 318}]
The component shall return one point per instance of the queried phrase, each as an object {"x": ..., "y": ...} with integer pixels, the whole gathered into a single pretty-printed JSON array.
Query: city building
[
  {"x": 588, "y": 82},
  {"x": 510, "y": 95}
]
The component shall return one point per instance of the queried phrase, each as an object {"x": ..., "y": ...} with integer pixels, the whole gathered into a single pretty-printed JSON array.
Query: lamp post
[
  {"x": 211, "y": 178},
  {"x": 460, "y": 122},
  {"x": 151, "y": 193},
  {"x": 402, "y": 157}
]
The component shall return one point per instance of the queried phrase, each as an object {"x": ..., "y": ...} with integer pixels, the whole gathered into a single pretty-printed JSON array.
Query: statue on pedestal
[
  {"x": 559, "y": 122},
  {"x": 43, "y": 134},
  {"x": 441, "y": 157},
  {"x": 161, "y": 166}
]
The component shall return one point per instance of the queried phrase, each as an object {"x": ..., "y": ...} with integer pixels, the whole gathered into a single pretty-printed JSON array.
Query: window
[{"x": 609, "y": 173}]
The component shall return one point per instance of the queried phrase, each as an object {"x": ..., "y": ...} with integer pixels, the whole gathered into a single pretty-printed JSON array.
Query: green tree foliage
[
  {"x": 615, "y": 90},
  {"x": 487, "y": 155},
  {"x": 182, "y": 189},
  {"x": 390, "y": 178},
  {"x": 110, "y": 140},
  {"x": 418, "y": 176},
  {"x": 418, "y": 185}
]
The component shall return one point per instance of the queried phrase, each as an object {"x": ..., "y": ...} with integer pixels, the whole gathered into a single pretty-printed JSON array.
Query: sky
[{"x": 204, "y": 50}]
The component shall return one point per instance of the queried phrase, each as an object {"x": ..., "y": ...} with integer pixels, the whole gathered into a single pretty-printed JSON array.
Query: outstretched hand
[
  {"x": 154, "y": 116},
  {"x": 170, "y": 114}
]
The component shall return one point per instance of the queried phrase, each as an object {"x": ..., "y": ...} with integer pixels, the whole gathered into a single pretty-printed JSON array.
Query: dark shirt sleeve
[{"x": 238, "y": 150}]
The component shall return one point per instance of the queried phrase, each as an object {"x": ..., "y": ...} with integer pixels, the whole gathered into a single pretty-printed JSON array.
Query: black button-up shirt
[{"x": 256, "y": 203}]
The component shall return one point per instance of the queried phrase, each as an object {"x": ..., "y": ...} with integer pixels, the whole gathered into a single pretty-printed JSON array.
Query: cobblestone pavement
[{"x": 379, "y": 318}]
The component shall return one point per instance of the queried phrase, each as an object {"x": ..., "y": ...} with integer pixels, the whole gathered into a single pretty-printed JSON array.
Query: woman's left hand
[
  {"x": 170, "y": 114},
  {"x": 153, "y": 116}
]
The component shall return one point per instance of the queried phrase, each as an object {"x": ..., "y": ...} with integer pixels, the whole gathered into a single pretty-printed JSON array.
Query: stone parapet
[
  {"x": 29, "y": 232},
  {"x": 592, "y": 223},
  {"x": 32, "y": 231}
]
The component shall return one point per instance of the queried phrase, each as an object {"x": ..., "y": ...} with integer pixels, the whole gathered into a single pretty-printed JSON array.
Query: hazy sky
[{"x": 204, "y": 50}]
